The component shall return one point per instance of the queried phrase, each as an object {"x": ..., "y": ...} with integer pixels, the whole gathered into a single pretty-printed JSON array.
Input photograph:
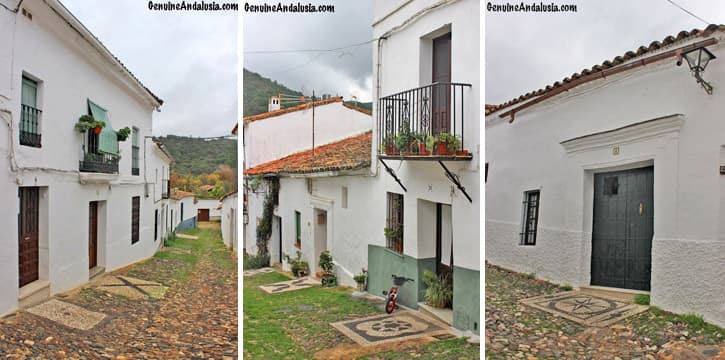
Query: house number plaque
[{"x": 615, "y": 150}]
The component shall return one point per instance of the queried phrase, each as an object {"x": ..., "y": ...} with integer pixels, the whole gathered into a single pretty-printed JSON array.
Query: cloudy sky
[
  {"x": 527, "y": 51},
  {"x": 347, "y": 72},
  {"x": 188, "y": 59}
]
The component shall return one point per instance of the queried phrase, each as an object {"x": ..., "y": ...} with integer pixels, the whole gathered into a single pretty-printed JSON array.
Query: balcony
[
  {"x": 29, "y": 132},
  {"x": 165, "y": 186},
  {"x": 426, "y": 123},
  {"x": 99, "y": 163}
]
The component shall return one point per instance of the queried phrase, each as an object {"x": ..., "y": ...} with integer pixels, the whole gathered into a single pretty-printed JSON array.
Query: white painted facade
[
  {"x": 212, "y": 205},
  {"x": 278, "y": 136},
  {"x": 655, "y": 115},
  {"x": 229, "y": 221},
  {"x": 425, "y": 180},
  {"x": 81, "y": 69},
  {"x": 182, "y": 209}
]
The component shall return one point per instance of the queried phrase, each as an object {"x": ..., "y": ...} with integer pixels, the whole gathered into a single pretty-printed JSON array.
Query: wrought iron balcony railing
[
  {"x": 29, "y": 131},
  {"x": 99, "y": 163},
  {"x": 426, "y": 122}
]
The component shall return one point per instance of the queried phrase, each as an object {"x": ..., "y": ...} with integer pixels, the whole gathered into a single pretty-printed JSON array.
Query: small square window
[{"x": 611, "y": 185}]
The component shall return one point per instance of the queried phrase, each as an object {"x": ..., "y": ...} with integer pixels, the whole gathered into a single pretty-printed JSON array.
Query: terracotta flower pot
[
  {"x": 391, "y": 150},
  {"x": 461, "y": 152},
  {"x": 441, "y": 148},
  {"x": 97, "y": 130},
  {"x": 422, "y": 150}
]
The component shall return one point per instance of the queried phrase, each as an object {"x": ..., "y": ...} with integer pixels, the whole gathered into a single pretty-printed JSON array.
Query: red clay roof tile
[{"x": 348, "y": 154}]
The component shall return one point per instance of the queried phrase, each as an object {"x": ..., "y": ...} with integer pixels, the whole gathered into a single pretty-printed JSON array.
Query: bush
[
  {"x": 566, "y": 287},
  {"x": 255, "y": 261},
  {"x": 298, "y": 265},
  {"x": 325, "y": 262},
  {"x": 641, "y": 299},
  {"x": 438, "y": 292}
]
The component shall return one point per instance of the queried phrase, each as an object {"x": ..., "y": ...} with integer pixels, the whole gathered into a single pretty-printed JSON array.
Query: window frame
[
  {"x": 135, "y": 151},
  {"x": 394, "y": 223},
  {"x": 298, "y": 229},
  {"x": 29, "y": 132},
  {"x": 531, "y": 203}
]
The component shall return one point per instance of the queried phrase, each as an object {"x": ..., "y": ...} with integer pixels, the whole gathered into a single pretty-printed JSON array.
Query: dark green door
[{"x": 623, "y": 228}]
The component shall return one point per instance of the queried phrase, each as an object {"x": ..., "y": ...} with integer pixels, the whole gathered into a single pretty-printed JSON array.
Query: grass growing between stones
[
  {"x": 175, "y": 262},
  {"x": 655, "y": 322}
]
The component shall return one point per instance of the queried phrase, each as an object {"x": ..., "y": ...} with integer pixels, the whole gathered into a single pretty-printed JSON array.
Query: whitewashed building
[
  {"x": 281, "y": 132},
  {"x": 74, "y": 204},
  {"x": 208, "y": 210},
  {"x": 183, "y": 210},
  {"x": 230, "y": 220},
  {"x": 614, "y": 177},
  {"x": 426, "y": 70}
]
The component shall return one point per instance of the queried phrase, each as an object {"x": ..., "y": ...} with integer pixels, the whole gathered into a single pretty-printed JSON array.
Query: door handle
[{"x": 641, "y": 208}]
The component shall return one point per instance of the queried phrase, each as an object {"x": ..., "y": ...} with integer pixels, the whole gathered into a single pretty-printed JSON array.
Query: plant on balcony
[
  {"x": 388, "y": 145},
  {"x": 420, "y": 142},
  {"x": 395, "y": 236},
  {"x": 123, "y": 134},
  {"x": 87, "y": 122},
  {"x": 449, "y": 141},
  {"x": 438, "y": 292}
]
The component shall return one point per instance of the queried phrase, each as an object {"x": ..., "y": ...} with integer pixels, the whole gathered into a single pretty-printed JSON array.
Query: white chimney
[{"x": 273, "y": 103}]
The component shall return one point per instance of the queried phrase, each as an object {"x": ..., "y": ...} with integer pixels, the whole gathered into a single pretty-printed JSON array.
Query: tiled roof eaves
[
  {"x": 71, "y": 20},
  {"x": 607, "y": 64},
  {"x": 288, "y": 110},
  {"x": 360, "y": 109}
]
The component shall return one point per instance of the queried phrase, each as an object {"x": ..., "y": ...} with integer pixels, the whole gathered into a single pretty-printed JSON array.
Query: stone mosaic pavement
[
  {"x": 196, "y": 318},
  {"x": 290, "y": 285},
  {"x": 131, "y": 287},
  {"x": 67, "y": 314},
  {"x": 583, "y": 308},
  {"x": 398, "y": 326},
  {"x": 258, "y": 271}
]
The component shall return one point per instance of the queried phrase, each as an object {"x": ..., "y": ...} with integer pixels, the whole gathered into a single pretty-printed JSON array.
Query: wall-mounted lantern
[{"x": 697, "y": 60}]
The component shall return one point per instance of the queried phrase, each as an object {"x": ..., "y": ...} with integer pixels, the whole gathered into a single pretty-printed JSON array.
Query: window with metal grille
[
  {"x": 135, "y": 218},
  {"x": 298, "y": 229},
  {"x": 531, "y": 217},
  {"x": 394, "y": 223},
  {"x": 343, "y": 202},
  {"x": 29, "y": 114},
  {"x": 134, "y": 151}
]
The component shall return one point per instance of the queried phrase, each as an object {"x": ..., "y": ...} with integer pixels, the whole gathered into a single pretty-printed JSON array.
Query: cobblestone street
[
  {"x": 195, "y": 318},
  {"x": 517, "y": 331}
]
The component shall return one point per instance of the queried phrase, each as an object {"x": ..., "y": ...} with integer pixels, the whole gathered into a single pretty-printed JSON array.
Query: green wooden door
[{"x": 623, "y": 228}]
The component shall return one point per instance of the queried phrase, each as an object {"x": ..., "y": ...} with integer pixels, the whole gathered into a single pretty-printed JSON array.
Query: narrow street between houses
[
  {"x": 315, "y": 322},
  {"x": 515, "y": 330},
  {"x": 182, "y": 303}
]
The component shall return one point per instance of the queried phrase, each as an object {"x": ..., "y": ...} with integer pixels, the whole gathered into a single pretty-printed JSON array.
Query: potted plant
[
  {"x": 299, "y": 267},
  {"x": 402, "y": 142},
  {"x": 360, "y": 279},
  {"x": 87, "y": 122},
  {"x": 389, "y": 145},
  {"x": 438, "y": 292},
  {"x": 452, "y": 143},
  {"x": 328, "y": 277},
  {"x": 123, "y": 134}
]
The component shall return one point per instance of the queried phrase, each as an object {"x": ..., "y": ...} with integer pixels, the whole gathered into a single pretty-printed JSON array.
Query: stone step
[
  {"x": 624, "y": 295},
  {"x": 443, "y": 315},
  {"x": 34, "y": 293},
  {"x": 96, "y": 273}
]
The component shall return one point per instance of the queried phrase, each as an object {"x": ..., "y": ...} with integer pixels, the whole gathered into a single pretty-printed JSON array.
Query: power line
[
  {"x": 307, "y": 50},
  {"x": 691, "y": 14}
]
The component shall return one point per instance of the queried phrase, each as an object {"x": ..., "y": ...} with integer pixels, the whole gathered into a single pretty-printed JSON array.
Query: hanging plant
[
  {"x": 264, "y": 229},
  {"x": 123, "y": 134},
  {"x": 87, "y": 122}
]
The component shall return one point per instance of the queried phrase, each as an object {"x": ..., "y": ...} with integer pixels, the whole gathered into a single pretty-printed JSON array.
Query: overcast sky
[
  {"x": 527, "y": 51},
  {"x": 347, "y": 72},
  {"x": 188, "y": 59}
]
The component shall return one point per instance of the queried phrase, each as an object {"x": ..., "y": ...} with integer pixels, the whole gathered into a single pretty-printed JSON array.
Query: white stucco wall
[
  {"x": 688, "y": 248},
  {"x": 76, "y": 73},
  {"x": 211, "y": 204},
  {"x": 230, "y": 221},
  {"x": 275, "y": 137}
]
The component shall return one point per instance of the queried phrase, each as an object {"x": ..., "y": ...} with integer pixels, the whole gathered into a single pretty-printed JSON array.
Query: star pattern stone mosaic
[
  {"x": 584, "y": 308},
  {"x": 67, "y": 314},
  {"x": 401, "y": 325}
]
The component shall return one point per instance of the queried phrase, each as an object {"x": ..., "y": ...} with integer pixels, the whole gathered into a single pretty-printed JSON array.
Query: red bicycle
[{"x": 392, "y": 295}]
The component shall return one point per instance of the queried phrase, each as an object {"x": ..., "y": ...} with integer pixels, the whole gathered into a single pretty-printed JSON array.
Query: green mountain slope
[
  {"x": 198, "y": 156},
  {"x": 258, "y": 89}
]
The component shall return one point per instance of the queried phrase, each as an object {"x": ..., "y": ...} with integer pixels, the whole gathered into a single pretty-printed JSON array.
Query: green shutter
[
  {"x": 107, "y": 139},
  {"x": 29, "y": 94}
]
